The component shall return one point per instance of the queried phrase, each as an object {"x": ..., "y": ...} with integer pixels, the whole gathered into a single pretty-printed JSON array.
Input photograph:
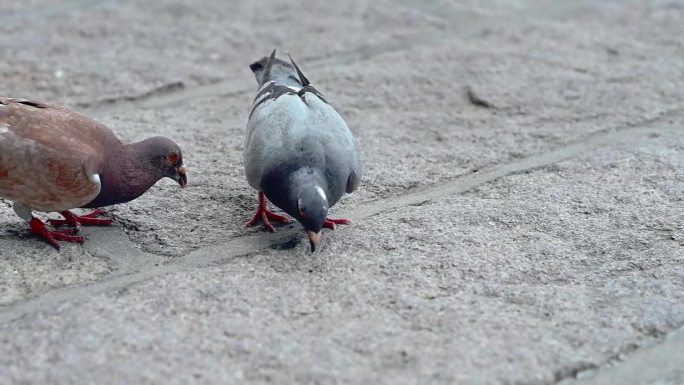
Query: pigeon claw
[
  {"x": 264, "y": 215},
  {"x": 38, "y": 227},
  {"x": 332, "y": 223},
  {"x": 77, "y": 221}
]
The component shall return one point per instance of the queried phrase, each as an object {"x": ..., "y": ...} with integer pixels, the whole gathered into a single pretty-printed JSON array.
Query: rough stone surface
[{"x": 529, "y": 274}]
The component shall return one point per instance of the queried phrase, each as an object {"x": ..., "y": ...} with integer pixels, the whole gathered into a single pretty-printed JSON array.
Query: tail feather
[
  {"x": 302, "y": 79},
  {"x": 267, "y": 70}
]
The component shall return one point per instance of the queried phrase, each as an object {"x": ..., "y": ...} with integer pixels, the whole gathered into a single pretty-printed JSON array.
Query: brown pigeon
[{"x": 53, "y": 159}]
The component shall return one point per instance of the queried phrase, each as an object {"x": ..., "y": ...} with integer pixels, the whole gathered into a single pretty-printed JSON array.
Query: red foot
[
  {"x": 38, "y": 227},
  {"x": 78, "y": 220},
  {"x": 331, "y": 223},
  {"x": 264, "y": 215}
]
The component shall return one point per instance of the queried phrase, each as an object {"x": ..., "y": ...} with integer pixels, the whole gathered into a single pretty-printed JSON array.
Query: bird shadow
[{"x": 287, "y": 244}]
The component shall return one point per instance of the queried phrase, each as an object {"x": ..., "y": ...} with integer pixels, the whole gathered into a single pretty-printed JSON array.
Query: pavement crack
[
  {"x": 649, "y": 361},
  {"x": 176, "y": 92},
  {"x": 572, "y": 371},
  {"x": 165, "y": 89}
]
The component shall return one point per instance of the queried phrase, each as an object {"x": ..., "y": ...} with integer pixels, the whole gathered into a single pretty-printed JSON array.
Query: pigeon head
[
  {"x": 273, "y": 69},
  {"x": 132, "y": 169},
  {"x": 166, "y": 155},
  {"x": 303, "y": 194},
  {"x": 312, "y": 209}
]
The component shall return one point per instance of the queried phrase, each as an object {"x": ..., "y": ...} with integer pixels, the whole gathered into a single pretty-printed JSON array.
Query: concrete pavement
[{"x": 520, "y": 220}]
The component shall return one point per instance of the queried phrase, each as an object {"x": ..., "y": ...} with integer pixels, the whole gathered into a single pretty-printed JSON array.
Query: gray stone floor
[{"x": 521, "y": 220}]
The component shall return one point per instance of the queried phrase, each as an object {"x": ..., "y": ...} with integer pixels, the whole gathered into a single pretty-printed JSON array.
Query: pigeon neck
[
  {"x": 306, "y": 182},
  {"x": 311, "y": 199},
  {"x": 288, "y": 82},
  {"x": 283, "y": 187},
  {"x": 140, "y": 170},
  {"x": 306, "y": 178},
  {"x": 129, "y": 171},
  {"x": 282, "y": 78}
]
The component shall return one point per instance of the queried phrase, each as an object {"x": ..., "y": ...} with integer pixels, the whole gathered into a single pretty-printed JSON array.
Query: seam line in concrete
[
  {"x": 659, "y": 363},
  {"x": 254, "y": 243},
  {"x": 174, "y": 94}
]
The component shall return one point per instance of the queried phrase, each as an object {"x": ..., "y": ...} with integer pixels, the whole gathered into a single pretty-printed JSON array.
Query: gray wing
[
  {"x": 272, "y": 129},
  {"x": 346, "y": 154},
  {"x": 278, "y": 126},
  {"x": 341, "y": 146},
  {"x": 354, "y": 178},
  {"x": 254, "y": 154}
]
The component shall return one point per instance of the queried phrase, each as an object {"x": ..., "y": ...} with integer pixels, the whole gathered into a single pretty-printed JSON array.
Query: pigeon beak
[
  {"x": 314, "y": 239},
  {"x": 182, "y": 177}
]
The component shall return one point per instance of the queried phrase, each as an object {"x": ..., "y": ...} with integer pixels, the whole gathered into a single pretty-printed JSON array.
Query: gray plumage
[{"x": 297, "y": 144}]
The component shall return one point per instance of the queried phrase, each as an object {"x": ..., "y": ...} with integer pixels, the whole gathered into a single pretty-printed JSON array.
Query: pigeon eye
[{"x": 172, "y": 158}]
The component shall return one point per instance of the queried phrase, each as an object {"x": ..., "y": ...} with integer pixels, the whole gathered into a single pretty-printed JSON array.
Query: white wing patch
[
  {"x": 94, "y": 179},
  {"x": 4, "y": 127}
]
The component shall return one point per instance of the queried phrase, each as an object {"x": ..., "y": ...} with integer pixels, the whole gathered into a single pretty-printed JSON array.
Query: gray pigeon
[{"x": 299, "y": 152}]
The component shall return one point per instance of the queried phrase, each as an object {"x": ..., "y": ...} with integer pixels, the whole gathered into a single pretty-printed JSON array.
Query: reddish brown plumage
[
  {"x": 44, "y": 149},
  {"x": 54, "y": 159}
]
